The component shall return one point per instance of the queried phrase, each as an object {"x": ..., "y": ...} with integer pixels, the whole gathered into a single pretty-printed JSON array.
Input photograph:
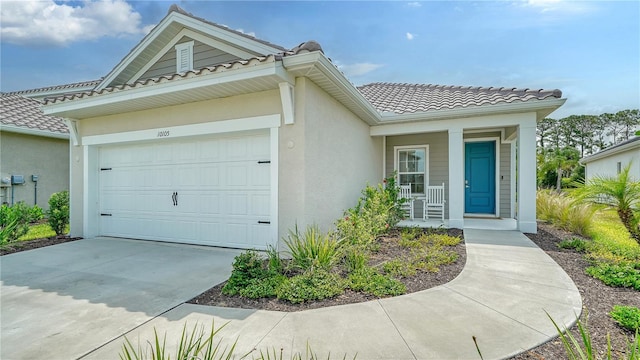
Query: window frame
[{"x": 396, "y": 164}]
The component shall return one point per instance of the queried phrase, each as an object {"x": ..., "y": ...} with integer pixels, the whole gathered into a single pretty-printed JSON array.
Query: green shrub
[
  {"x": 262, "y": 287},
  {"x": 576, "y": 244},
  {"x": 400, "y": 268},
  {"x": 315, "y": 284},
  {"x": 312, "y": 249},
  {"x": 369, "y": 281},
  {"x": 59, "y": 211},
  {"x": 440, "y": 239},
  {"x": 248, "y": 270},
  {"x": 375, "y": 213},
  {"x": 35, "y": 214},
  {"x": 431, "y": 258},
  {"x": 626, "y": 316},
  {"x": 14, "y": 221},
  {"x": 618, "y": 275}
]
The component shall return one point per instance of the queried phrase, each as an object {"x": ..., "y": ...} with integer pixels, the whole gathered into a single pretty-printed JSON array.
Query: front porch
[{"x": 487, "y": 165}]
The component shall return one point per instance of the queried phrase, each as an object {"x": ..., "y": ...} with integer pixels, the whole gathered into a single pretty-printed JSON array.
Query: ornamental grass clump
[
  {"x": 565, "y": 212},
  {"x": 312, "y": 249}
]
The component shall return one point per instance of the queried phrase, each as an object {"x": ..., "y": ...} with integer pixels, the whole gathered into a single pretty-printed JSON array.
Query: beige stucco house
[
  {"x": 610, "y": 161},
  {"x": 34, "y": 152},
  {"x": 205, "y": 135}
]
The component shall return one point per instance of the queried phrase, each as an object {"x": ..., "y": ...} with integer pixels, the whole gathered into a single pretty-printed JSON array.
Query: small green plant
[
  {"x": 35, "y": 214},
  {"x": 200, "y": 344},
  {"x": 251, "y": 276},
  {"x": 312, "y": 248},
  {"x": 626, "y": 316},
  {"x": 314, "y": 284},
  {"x": 14, "y": 221},
  {"x": 355, "y": 257},
  {"x": 275, "y": 262},
  {"x": 619, "y": 275},
  {"x": 400, "y": 268},
  {"x": 575, "y": 243},
  {"x": 59, "y": 211},
  {"x": 368, "y": 280}
]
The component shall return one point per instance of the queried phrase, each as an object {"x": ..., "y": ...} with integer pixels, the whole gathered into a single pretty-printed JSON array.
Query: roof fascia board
[
  {"x": 34, "y": 132},
  {"x": 148, "y": 39},
  {"x": 474, "y": 111},
  {"x": 59, "y": 92},
  {"x": 196, "y": 36},
  {"x": 316, "y": 60},
  {"x": 465, "y": 123},
  {"x": 608, "y": 152},
  {"x": 261, "y": 70}
]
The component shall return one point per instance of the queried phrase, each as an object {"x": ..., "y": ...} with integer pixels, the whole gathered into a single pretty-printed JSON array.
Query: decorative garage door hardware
[
  {"x": 104, "y": 214},
  {"x": 174, "y": 197},
  {"x": 264, "y": 222},
  {"x": 105, "y": 169},
  {"x": 264, "y": 162}
]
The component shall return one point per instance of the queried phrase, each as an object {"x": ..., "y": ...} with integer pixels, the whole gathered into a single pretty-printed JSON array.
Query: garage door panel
[{"x": 222, "y": 191}]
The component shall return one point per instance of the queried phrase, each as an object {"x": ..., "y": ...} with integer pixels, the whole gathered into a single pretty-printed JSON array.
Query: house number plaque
[{"x": 163, "y": 133}]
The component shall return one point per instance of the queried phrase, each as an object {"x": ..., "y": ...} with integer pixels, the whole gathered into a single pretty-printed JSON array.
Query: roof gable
[{"x": 222, "y": 43}]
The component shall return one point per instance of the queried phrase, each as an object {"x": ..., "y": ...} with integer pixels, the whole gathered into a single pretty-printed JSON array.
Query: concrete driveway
[{"x": 73, "y": 298}]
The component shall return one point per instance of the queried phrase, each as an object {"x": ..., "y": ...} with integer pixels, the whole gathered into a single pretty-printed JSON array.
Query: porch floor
[{"x": 469, "y": 223}]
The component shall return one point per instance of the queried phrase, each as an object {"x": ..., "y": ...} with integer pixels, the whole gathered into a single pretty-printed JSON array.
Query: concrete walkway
[{"x": 500, "y": 298}]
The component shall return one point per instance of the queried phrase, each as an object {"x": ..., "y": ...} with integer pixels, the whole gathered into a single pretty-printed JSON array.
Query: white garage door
[{"x": 212, "y": 191}]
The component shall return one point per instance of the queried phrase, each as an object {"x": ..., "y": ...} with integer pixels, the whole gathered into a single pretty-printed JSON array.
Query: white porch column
[
  {"x": 527, "y": 178},
  {"x": 456, "y": 179}
]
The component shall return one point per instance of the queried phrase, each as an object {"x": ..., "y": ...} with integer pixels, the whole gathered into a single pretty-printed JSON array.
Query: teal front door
[{"x": 480, "y": 177}]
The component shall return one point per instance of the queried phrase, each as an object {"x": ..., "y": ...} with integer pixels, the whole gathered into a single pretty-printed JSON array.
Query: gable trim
[
  {"x": 251, "y": 46},
  {"x": 195, "y": 36}
]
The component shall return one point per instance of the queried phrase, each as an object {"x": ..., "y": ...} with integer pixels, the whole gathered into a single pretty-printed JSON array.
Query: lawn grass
[{"x": 40, "y": 231}]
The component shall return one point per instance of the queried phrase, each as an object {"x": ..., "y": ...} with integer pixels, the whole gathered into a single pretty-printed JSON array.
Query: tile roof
[
  {"x": 19, "y": 111},
  {"x": 412, "y": 98},
  {"x": 304, "y": 47},
  {"x": 64, "y": 87},
  {"x": 178, "y": 9},
  {"x": 165, "y": 78}
]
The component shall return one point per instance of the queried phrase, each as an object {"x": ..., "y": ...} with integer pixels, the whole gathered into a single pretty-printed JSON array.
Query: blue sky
[{"x": 588, "y": 49}]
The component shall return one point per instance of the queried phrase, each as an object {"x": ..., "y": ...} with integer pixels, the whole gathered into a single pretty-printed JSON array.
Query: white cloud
[
  {"x": 49, "y": 23},
  {"x": 414, "y": 4},
  {"x": 358, "y": 69},
  {"x": 410, "y": 36},
  {"x": 559, "y": 6}
]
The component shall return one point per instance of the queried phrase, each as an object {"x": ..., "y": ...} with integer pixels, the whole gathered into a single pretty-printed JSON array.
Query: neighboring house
[
  {"x": 206, "y": 135},
  {"x": 32, "y": 143},
  {"x": 610, "y": 161}
]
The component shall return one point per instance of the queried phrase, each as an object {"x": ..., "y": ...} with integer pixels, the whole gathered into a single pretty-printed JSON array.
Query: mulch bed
[
  {"x": 389, "y": 249},
  {"x": 34, "y": 244},
  {"x": 598, "y": 298}
]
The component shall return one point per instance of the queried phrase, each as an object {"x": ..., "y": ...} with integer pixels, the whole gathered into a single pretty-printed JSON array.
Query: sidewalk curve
[{"x": 500, "y": 298}]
